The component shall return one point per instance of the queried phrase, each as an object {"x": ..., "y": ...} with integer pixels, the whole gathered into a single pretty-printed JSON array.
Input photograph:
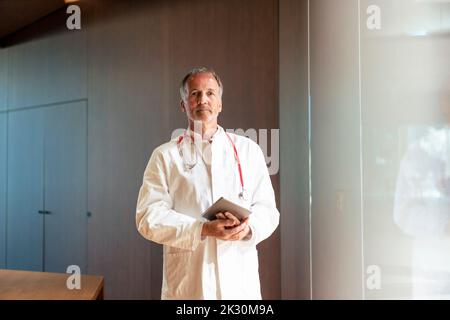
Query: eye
[{"x": 210, "y": 93}]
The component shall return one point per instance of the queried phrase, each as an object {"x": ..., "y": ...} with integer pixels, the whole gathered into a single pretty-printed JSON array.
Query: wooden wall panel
[
  {"x": 47, "y": 63},
  {"x": 138, "y": 53},
  {"x": 65, "y": 182},
  {"x": 128, "y": 118},
  {"x": 294, "y": 150}
]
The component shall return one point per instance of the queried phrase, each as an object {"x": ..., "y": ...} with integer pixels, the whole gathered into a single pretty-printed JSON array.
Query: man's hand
[{"x": 226, "y": 227}]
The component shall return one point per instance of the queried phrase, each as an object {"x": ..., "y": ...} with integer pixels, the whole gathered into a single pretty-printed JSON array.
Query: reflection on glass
[
  {"x": 422, "y": 210},
  {"x": 405, "y": 91}
]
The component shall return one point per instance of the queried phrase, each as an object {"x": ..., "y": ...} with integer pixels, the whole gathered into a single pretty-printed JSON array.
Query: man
[{"x": 185, "y": 176}]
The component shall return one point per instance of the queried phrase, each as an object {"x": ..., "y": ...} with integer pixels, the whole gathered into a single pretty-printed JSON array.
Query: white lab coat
[{"x": 171, "y": 201}]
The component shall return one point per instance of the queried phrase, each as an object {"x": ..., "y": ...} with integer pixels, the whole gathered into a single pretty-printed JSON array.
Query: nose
[{"x": 203, "y": 98}]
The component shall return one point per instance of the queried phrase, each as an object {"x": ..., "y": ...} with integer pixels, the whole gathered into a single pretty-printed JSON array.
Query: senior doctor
[{"x": 206, "y": 259}]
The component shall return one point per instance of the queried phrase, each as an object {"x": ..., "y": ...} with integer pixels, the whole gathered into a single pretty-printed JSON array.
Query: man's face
[{"x": 203, "y": 102}]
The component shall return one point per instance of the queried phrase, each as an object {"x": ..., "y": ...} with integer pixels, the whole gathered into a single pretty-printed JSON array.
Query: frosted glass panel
[{"x": 405, "y": 114}]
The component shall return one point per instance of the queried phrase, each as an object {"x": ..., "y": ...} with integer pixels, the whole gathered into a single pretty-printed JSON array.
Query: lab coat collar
[{"x": 198, "y": 137}]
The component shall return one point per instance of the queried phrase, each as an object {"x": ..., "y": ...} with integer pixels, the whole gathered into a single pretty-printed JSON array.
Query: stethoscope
[{"x": 189, "y": 166}]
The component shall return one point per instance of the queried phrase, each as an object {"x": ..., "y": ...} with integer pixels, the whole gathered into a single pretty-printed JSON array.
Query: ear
[{"x": 183, "y": 107}]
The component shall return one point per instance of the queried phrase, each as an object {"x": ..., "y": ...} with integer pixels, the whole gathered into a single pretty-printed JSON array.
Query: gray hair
[{"x": 183, "y": 91}]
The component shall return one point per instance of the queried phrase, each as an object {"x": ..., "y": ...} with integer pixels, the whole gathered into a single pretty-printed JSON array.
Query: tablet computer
[{"x": 224, "y": 205}]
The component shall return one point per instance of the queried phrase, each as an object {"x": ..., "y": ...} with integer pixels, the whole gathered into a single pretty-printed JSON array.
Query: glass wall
[
  {"x": 379, "y": 86},
  {"x": 405, "y": 114}
]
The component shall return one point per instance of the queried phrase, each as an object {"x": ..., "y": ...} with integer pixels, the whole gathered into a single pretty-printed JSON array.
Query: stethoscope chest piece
[{"x": 243, "y": 195}]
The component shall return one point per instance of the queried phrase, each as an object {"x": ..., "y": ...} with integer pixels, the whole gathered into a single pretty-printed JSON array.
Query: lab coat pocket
[{"x": 177, "y": 272}]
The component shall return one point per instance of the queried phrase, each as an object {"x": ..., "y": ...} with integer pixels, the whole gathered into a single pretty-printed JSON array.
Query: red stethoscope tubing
[
  {"x": 236, "y": 155},
  {"x": 238, "y": 162}
]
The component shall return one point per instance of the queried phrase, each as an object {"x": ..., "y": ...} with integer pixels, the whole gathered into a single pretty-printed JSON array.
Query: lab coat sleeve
[
  {"x": 265, "y": 215},
  {"x": 155, "y": 219},
  {"x": 417, "y": 211}
]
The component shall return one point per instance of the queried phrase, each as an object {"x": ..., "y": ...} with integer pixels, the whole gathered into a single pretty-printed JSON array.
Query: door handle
[{"x": 44, "y": 212}]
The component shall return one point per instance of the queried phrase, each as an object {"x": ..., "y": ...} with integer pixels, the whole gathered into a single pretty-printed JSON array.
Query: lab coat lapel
[{"x": 222, "y": 167}]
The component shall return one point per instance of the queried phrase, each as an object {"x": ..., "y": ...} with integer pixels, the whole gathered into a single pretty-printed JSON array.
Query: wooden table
[{"x": 30, "y": 285}]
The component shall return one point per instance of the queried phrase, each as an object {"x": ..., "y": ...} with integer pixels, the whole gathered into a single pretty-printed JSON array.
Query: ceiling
[{"x": 16, "y": 14}]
